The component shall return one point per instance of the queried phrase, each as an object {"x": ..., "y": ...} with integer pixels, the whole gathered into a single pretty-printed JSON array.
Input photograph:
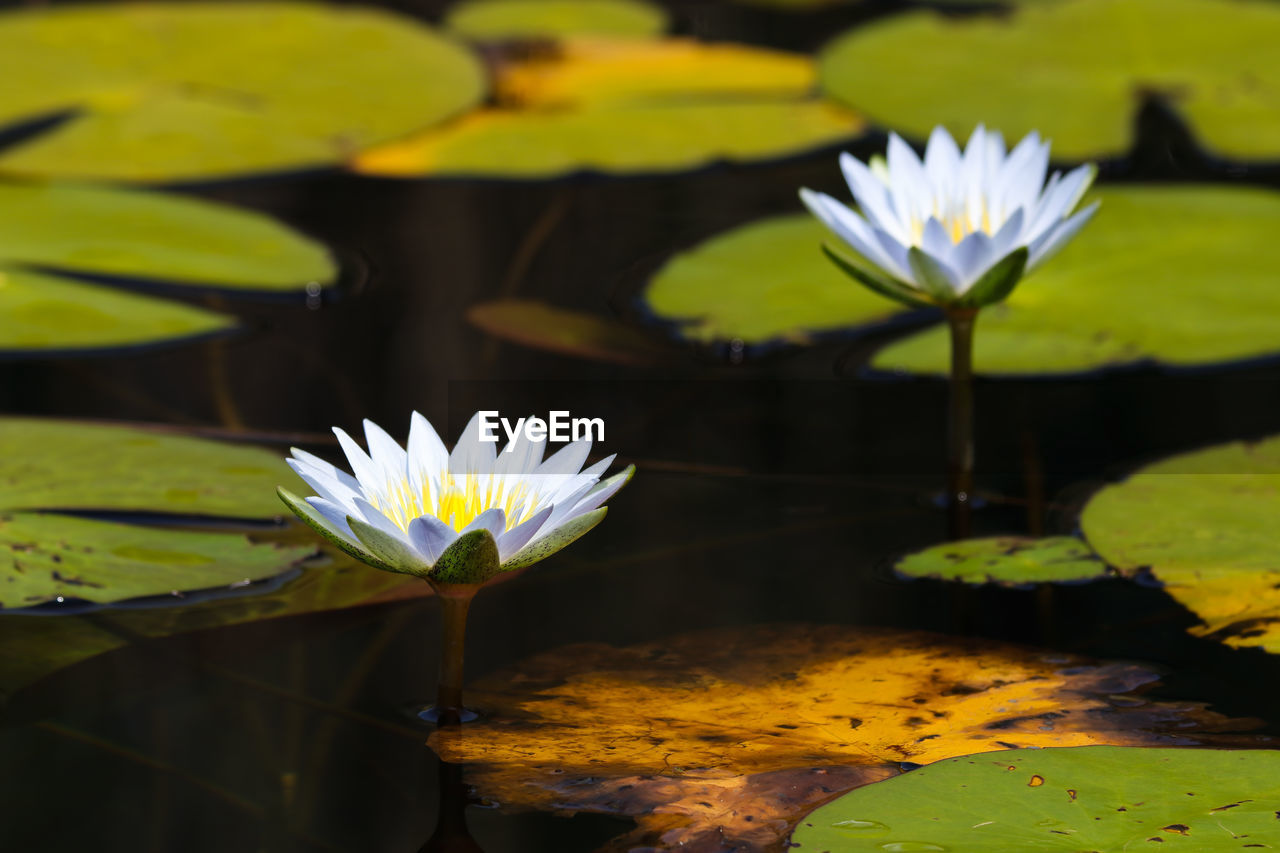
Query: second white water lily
[
  {"x": 452, "y": 518},
  {"x": 958, "y": 228}
]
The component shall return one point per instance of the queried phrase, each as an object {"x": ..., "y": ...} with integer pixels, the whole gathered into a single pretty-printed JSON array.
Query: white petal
[
  {"x": 337, "y": 516},
  {"x": 600, "y": 467},
  {"x": 598, "y": 495},
  {"x": 520, "y": 535},
  {"x": 850, "y": 228},
  {"x": 1058, "y": 237},
  {"x": 935, "y": 240},
  {"x": 521, "y": 455},
  {"x": 471, "y": 455},
  {"x": 313, "y": 461},
  {"x": 326, "y": 485},
  {"x": 942, "y": 162},
  {"x": 565, "y": 509},
  {"x": 1009, "y": 236},
  {"x": 430, "y": 537},
  {"x": 427, "y": 456},
  {"x": 493, "y": 520},
  {"x": 372, "y": 515},
  {"x": 872, "y": 196},
  {"x": 1058, "y": 200},
  {"x": 566, "y": 461},
  {"x": 384, "y": 450},
  {"x": 370, "y": 476},
  {"x": 1022, "y": 176},
  {"x": 909, "y": 185},
  {"x": 899, "y": 266},
  {"x": 971, "y": 257}
]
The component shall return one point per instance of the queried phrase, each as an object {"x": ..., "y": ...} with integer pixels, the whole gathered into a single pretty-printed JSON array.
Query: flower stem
[
  {"x": 455, "y": 601},
  {"x": 960, "y": 423}
]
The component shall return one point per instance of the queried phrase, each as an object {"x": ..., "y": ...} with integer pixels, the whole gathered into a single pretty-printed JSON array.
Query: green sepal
[
  {"x": 997, "y": 282},
  {"x": 321, "y": 525},
  {"x": 394, "y": 553},
  {"x": 565, "y": 534},
  {"x": 879, "y": 284},
  {"x": 624, "y": 475},
  {"x": 930, "y": 276},
  {"x": 472, "y": 559}
]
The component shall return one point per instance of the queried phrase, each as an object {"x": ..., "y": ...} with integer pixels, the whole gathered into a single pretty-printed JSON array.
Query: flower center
[
  {"x": 457, "y": 501},
  {"x": 956, "y": 222}
]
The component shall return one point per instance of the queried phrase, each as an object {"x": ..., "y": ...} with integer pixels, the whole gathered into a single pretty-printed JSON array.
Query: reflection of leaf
[
  {"x": 1204, "y": 523},
  {"x": 541, "y": 326},
  {"x": 1090, "y": 798},
  {"x": 509, "y": 19},
  {"x": 1006, "y": 560},
  {"x": 139, "y": 235},
  {"x": 165, "y": 91},
  {"x": 1075, "y": 71},
  {"x": 628, "y": 106},
  {"x": 715, "y": 706},
  {"x": 764, "y": 281},
  {"x": 53, "y": 465},
  {"x": 1181, "y": 275}
]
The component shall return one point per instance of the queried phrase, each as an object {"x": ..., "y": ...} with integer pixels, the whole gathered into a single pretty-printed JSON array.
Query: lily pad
[
  {"x": 573, "y": 333},
  {"x": 48, "y": 231},
  {"x": 1100, "y": 798},
  {"x": 1007, "y": 561},
  {"x": 762, "y": 282},
  {"x": 628, "y": 106},
  {"x": 1076, "y": 71},
  {"x": 489, "y": 20},
  {"x": 1204, "y": 524},
  {"x": 185, "y": 91},
  {"x": 695, "y": 736},
  {"x": 52, "y": 466}
]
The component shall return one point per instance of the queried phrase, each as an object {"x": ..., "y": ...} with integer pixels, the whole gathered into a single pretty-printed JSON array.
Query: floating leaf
[
  {"x": 628, "y": 106},
  {"x": 183, "y": 91},
  {"x": 1204, "y": 524},
  {"x": 1076, "y": 71},
  {"x": 487, "y": 20},
  {"x": 1101, "y": 798},
  {"x": 1006, "y": 560},
  {"x": 762, "y": 282},
  {"x": 138, "y": 235},
  {"x": 59, "y": 465},
  {"x": 574, "y": 333},
  {"x": 651, "y": 730}
]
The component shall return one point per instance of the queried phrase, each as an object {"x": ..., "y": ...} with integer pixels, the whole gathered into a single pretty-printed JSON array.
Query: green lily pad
[
  {"x": 1096, "y": 798},
  {"x": 488, "y": 20},
  {"x": 50, "y": 466},
  {"x": 1175, "y": 275},
  {"x": 1204, "y": 524},
  {"x": 47, "y": 230},
  {"x": 1006, "y": 560},
  {"x": 184, "y": 91},
  {"x": 762, "y": 282},
  {"x": 1076, "y": 71},
  {"x": 626, "y": 106}
]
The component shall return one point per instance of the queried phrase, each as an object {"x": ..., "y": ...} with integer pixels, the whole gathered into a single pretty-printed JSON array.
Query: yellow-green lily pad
[
  {"x": 1007, "y": 561},
  {"x": 763, "y": 282},
  {"x": 626, "y": 106},
  {"x": 183, "y": 91},
  {"x": 1095, "y": 798},
  {"x": 1204, "y": 525},
  {"x": 51, "y": 467},
  {"x": 1077, "y": 71},
  {"x": 51, "y": 231},
  {"x": 494, "y": 20}
]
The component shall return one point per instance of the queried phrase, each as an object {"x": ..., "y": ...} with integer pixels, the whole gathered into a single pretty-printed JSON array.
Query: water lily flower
[
  {"x": 958, "y": 229},
  {"x": 455, "y": 518}
]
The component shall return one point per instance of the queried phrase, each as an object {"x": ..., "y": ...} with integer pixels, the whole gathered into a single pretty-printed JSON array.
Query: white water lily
[
  {"x": 958, "y": 229},
  {"x": 455, "y": 517}
]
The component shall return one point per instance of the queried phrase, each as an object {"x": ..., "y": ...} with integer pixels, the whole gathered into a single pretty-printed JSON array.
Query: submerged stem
[{"x": 960, "y": 423}]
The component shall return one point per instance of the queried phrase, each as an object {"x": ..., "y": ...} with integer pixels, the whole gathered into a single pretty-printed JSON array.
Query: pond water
[{"x": 772, "y": 487}]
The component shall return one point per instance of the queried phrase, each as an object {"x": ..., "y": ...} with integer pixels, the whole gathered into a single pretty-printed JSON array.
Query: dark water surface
[{"x": 775, "y": 489}]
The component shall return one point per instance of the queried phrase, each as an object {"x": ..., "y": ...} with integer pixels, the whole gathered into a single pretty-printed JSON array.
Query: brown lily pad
[{"x": 722, "y": 739}]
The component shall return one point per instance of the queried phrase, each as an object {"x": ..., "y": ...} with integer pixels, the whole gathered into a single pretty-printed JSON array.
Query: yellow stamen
[{"x": 460, "y": 498}]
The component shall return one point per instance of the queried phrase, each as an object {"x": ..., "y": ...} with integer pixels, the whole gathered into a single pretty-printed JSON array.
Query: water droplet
[
  {"x": 911, "y": 847},
  {"x": 860, "y": 827}
]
